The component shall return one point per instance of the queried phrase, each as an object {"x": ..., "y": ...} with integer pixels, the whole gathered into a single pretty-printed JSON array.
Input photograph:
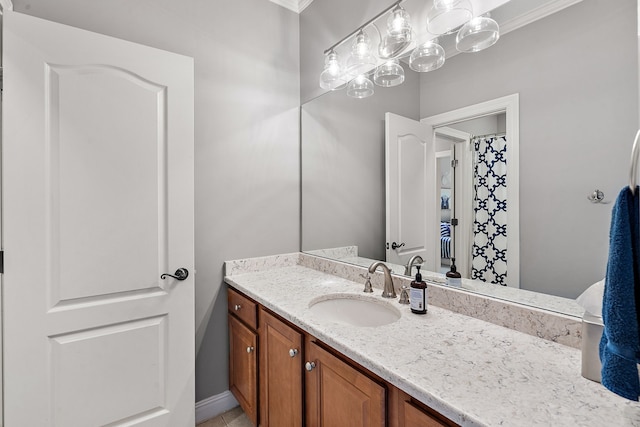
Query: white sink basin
[{"x": 354, "y": 310}]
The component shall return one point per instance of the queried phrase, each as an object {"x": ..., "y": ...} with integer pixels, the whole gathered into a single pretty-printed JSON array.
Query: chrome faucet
[
  {"x": 416, "y": 259},
  {"x": 389, "y": 291}
]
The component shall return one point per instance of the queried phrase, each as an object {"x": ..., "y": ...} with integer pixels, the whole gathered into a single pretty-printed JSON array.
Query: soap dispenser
[
  {"x": 418, "y": 296},
  {"x": 453, "y": 277}
]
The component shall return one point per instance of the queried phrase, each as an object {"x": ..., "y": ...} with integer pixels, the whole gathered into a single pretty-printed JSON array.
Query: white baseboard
[{"x": 214, "y": 406}]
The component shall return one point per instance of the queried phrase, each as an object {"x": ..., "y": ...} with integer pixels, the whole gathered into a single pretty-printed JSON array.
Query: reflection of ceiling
[{"x": 295, "y": 5}]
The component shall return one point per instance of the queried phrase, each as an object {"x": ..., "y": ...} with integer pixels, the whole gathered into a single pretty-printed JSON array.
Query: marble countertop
[
  {"x": 474, "y": 372},
  {"x": 567, "y": 306}
]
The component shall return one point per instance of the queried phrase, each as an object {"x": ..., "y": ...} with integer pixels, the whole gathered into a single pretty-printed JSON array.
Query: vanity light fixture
[
  {"x": 444, "y": 17},
  {"x": 478, "y": 34}
]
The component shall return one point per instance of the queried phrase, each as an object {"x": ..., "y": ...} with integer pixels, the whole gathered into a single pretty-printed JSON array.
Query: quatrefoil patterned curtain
[{"x": 489, "y": 249}]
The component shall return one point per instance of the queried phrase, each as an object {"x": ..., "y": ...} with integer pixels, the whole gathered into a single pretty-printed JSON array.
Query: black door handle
[
  {"x": 395, "y": 246},
  {"x": 180, "y": 274}
]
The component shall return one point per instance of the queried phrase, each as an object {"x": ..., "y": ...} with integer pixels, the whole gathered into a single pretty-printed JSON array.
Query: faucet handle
[
  {"x": 404, "y": 295},
  {"x": 367, "y": 284}
]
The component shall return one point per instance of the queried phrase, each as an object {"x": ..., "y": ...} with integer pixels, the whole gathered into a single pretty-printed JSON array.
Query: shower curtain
[{"x": 489, "y": 249}]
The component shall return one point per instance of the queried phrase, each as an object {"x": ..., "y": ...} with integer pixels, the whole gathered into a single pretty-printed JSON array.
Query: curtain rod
[{"x": 497, "y": 135}]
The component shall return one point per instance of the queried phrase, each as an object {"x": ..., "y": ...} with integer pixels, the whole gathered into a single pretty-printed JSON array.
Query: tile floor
[{"x": 233, "y": 418}]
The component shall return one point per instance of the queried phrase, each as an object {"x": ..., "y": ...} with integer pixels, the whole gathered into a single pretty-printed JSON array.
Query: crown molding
[
  {"x": 296, "y": 6},
  {"x": 519, "y": 21},
  {"x": 303, "y": 4},
  {"x": 535, "y": 14}
]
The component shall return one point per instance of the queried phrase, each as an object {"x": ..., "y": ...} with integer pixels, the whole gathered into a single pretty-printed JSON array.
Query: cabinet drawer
[{"x": 242, "y": 307}]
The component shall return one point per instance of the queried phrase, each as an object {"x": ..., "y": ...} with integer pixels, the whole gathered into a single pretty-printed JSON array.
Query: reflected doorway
[{"x": 479, "y": 212}]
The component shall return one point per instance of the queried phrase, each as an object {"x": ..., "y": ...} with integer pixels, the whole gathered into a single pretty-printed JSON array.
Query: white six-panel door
[{"x": 97, "y": 187}]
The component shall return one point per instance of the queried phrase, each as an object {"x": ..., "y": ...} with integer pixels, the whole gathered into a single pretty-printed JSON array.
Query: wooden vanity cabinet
[
  {"x": 281, "y": 365},
  {"x": 268, "y": 376},
  {"x": 338, "y": 394},
  {"x": 243, "y": 353}
]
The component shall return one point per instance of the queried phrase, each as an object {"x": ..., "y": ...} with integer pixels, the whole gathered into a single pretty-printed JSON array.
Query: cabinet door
[
  {"x": 280, "y": 373},
  {"x": 414, "y": 417},
  {"x": 339, "y": 395},
  {"x": 243, "y": 363},
  {"x": 405, "y": 412}
]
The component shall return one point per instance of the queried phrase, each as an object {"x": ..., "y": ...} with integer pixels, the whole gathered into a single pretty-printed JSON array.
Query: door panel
[
  {"x": 97, "y": 204},
  {"x": 91, "y": 135},
  {"x": 112, "y": 364}
]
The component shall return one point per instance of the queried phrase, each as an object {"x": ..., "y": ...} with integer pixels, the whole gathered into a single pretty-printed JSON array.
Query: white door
[
  {"x": 411, "y": 192},
  {"x": 97, "y": 179}
]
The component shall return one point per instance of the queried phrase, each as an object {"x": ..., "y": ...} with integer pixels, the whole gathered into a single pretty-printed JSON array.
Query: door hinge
[
  {"x": 454, "y": 222},
  {"x": 1, "y": 262},
  {"x": 454, "y": 163}
]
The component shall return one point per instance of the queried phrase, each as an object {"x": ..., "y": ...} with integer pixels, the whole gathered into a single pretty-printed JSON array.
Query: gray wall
[
  {"x": 246, "y": 133},
  {"x": 577, "y": 76},
  {"x": 343, "y": 201}
]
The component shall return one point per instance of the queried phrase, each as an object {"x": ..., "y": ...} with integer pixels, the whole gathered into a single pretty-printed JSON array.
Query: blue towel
[{"x": 620, "y": 344}]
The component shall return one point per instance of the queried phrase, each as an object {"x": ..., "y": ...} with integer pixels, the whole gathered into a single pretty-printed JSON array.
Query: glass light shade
[
  {"x": 361, "y": 46},
  {"x": 443, "y": 3},
  {"x": 398, "y": 36},
  {"x": 478, "y": 34},
  {"x": 399, "y": 23},
  {"x": 332, "y": 76},
  {"x": 360, "y": 87},
  {"x": 428, "y": 56},
  {"x": 447, "y": 15},
  {"x": 392, "y": 46},
  {"x": 358, "y": 66},
  {"x": 361, "y": 60},
  {"x": 389, "y": 74}
]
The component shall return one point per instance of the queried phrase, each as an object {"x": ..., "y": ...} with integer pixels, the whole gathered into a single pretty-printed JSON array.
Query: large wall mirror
[{"x": 574, "y": 76}]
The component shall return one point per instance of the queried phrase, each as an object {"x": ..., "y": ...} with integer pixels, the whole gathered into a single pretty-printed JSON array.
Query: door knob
[
  {"x": 180, "y": 274},
  {"x": 395, "y": 246},
  {"x": 309, "y": 366},
  {"x": 249, "y": 349},
  {"x": 293, "y": 352}
]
